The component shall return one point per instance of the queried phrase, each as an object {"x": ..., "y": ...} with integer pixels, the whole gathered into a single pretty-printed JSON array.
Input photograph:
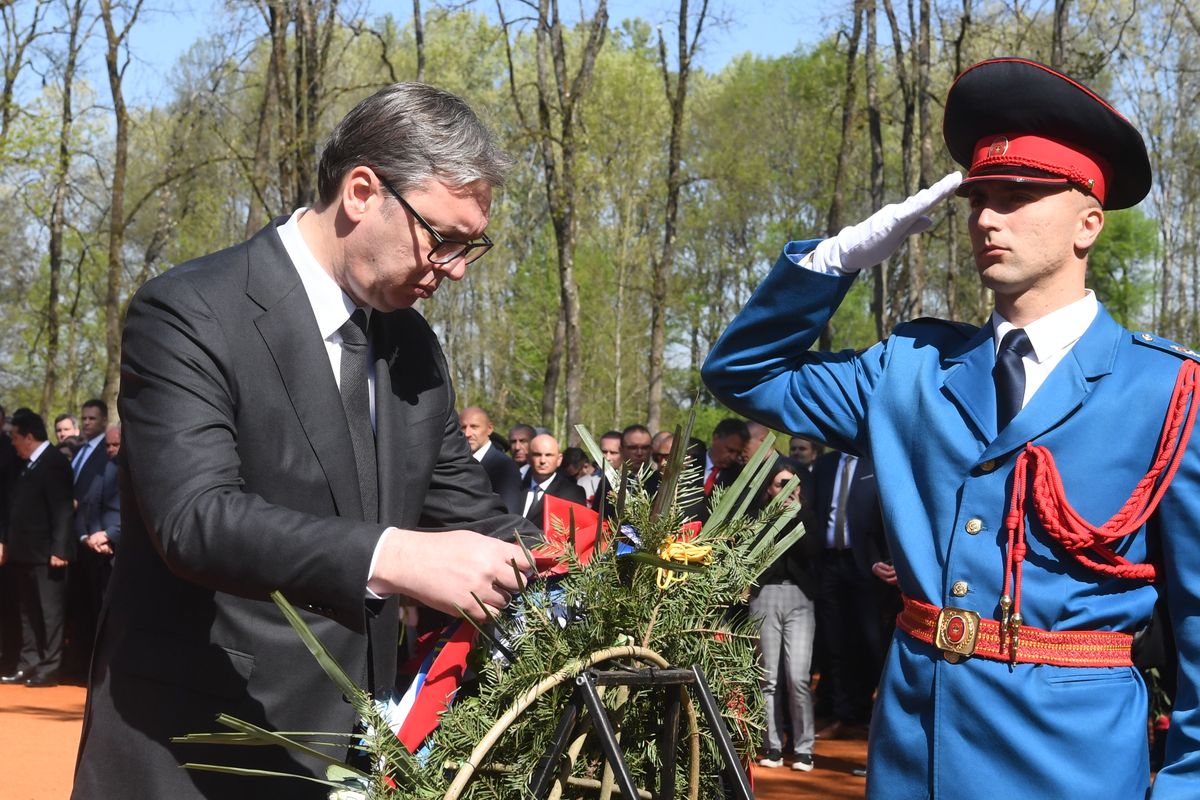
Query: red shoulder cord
[{"x": 1092, "y": 546}]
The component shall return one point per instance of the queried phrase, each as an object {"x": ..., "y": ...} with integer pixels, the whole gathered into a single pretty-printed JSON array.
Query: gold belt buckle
[{"x": 956, "y": 633}]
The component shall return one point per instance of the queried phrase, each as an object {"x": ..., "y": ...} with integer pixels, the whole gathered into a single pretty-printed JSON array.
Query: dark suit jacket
[
  {"x": 239, "y": 478},
  {"x": 505, "y": 477},
  {"x": 864, "y": 518},
  {"x": 39, "y": 518},
  {"x": 89, "y": 493},
  {"x": 562, "y": 486},
  {"x": 10, "y": 466}
]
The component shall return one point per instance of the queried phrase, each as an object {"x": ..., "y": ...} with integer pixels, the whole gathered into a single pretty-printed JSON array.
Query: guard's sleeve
[
  {"x": 1178, "y": 519},
  {"x": 761, "y": 367}
]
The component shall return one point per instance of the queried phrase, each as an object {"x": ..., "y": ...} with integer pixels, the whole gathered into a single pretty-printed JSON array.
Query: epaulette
[
  {"x": 1166, "y": 345},
  {"x": 964, "y": 329}
]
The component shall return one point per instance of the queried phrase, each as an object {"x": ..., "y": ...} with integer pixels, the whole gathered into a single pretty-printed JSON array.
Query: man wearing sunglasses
[{"x": 288, "y": 424}]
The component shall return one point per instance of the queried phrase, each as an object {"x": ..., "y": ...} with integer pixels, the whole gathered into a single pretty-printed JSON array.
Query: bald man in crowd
[
  {"x": 543, "y": 479},
  {"x": 501, "y": 471}
]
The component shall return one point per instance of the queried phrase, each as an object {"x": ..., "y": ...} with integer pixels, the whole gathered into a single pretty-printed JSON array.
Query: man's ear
[
  {"x": 358, "y": 192},
  {"x": 1091, "y": 222}
]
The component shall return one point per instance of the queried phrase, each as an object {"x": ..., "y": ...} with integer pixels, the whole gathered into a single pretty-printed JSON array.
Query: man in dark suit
[
  {"x": 288, "y": 423},
  {"x": 38, "y": 545},
  {"x": 544, "y": 479},
  {"x": 501, "y": 470},
  {"x": 851, "y": 600},
  {"x": 92, "y": 566},
  {"x": 721, "y": 466},
  {"x": 10, "y": 618}
]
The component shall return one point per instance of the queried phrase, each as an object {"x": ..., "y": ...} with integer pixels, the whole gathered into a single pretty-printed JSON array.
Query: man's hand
[
  {"x": 57, "y": 562},
  {"x": 870, "y": 242},
  {"x": 885, "y": 572},
  {"x": 2, "y": 555},
  {"x": 99, "y": 543},
  {"x": 443, "y": 569}
]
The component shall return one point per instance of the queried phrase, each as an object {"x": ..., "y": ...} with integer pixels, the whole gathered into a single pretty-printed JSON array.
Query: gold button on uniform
[
  {"x": 988, "y": 466},
  {"x": 959, "y": 589},
  {"x": 974, "y": 525}
]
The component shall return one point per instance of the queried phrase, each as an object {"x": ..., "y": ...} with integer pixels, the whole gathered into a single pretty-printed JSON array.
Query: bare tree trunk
[
  {"x": 12, "y": 55},
  {"x": 556, "y": 132},
  {"x": 115, "y": 40},
  {"x": 837, "y": 196},
  {"x": 419, "y": 36},
  {"x": 660, "y": 287},
  {"x": 273, "y": 12},
  {"x": 903, "y": 274},
  {"x": 1058, "y": 41},
  {"x": 879, "y": 303},
  {"x": 916, "y": 244},
  {"x": 57, "y": 226},
  {"x": 554, "y": 367},
  {"x": 849, "y": 98}
]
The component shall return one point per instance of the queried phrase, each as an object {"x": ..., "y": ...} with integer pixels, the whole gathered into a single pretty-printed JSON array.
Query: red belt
[{"x": 959, "y": 633}]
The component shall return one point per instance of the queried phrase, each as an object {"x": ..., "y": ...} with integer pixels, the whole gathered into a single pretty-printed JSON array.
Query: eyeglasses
[
  {"x": 661, "y": 456},
  {"x": 444, "y": 250}
]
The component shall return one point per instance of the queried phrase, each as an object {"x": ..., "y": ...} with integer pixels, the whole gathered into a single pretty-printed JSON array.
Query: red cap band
[{"x": 1055, "y": 158}]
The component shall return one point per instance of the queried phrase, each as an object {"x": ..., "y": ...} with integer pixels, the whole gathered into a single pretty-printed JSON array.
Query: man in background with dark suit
[
  {"x": 288, "y": 424},
  {"x": 92, "y": 567},
  {"x": 544, "y": 479},
  {"x": 38, "y": 545},
  {"x": 501, "y": 470},
  {"x": 10, "y": 618},
  {"x": 851, "y": 599}
]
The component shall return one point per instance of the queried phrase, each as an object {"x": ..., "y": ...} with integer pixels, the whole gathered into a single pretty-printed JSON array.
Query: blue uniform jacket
[{"x": 922, "y": 405}]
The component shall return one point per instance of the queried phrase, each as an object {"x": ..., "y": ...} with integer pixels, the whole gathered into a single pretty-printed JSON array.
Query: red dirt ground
[{"x": 39, "y": 734}]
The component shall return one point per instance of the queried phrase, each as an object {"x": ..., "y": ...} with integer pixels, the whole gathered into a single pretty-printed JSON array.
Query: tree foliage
[{"x": 234, "y": 138}]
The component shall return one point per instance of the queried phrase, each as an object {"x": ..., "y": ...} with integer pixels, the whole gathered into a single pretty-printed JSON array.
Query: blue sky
[{"x": 764, "y": 27}]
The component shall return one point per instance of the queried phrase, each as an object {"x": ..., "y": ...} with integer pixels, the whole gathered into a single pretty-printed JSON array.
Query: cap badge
[{"x": 998, "y": 147}]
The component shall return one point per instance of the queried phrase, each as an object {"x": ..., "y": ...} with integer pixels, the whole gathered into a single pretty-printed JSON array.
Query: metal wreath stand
[{"x": 546, "y": 782}]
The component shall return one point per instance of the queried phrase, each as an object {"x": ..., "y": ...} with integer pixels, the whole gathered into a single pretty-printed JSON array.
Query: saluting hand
[{"x": 871, "y": 241}]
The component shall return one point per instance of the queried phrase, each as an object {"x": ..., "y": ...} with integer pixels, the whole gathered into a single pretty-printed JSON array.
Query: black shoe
[
  {"x": 40, "y": 681},
  {"x": 19, "y": 676}
]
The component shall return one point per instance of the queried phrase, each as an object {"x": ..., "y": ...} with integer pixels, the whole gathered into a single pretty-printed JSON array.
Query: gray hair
[{"x": 409, "y": 133}]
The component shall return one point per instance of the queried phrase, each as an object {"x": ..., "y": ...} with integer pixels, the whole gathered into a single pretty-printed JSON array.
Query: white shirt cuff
[{"x": 374, "y": 560}]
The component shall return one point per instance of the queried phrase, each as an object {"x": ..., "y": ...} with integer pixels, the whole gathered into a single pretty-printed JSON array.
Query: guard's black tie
[
  {"x": 1010, "y": 376},
  {"x": 357, "y": 403}
]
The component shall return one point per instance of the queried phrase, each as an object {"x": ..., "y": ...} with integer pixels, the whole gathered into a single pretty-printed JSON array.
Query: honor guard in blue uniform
[{"x": 1036, "y": 474}]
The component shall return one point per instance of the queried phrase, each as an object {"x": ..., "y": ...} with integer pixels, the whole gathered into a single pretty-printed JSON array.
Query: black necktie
[
  {"x": 1010, "y": 376},
  {"x": 357, "y": 403}
]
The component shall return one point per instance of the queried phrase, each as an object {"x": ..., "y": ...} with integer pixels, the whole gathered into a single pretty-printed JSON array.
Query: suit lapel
[
  {"x": 389, "y": 418},
  {"x": 1066, "y": 389},
  {"x": 290, "y": 332},
  {"x": 969, "y": 382}
]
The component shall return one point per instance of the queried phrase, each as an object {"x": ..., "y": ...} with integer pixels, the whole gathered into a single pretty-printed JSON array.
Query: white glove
[{"x": 878, "y": 236}]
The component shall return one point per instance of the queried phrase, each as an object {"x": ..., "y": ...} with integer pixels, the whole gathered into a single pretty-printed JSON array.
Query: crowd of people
[
  {"x": 60, "y": 531},
  {"x": 826, "y": 607}
]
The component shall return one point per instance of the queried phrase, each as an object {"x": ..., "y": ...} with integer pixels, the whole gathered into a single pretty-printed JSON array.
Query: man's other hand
[
  {"x": 875, "y": 239},
  {"x": 885, "y": 572},
  {"x": 99, "y": 542},
  {"x": 57, "y": 562},
  {"x": 444, "y": 569}
]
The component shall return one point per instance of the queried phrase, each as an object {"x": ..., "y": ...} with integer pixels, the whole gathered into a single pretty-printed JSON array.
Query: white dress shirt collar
[
  {"x": 481, "y": 452},
  {"x": 36, "y": 454},
  {"x": 331, "y": 306},
  {"x": 1054, "y": 333}
]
